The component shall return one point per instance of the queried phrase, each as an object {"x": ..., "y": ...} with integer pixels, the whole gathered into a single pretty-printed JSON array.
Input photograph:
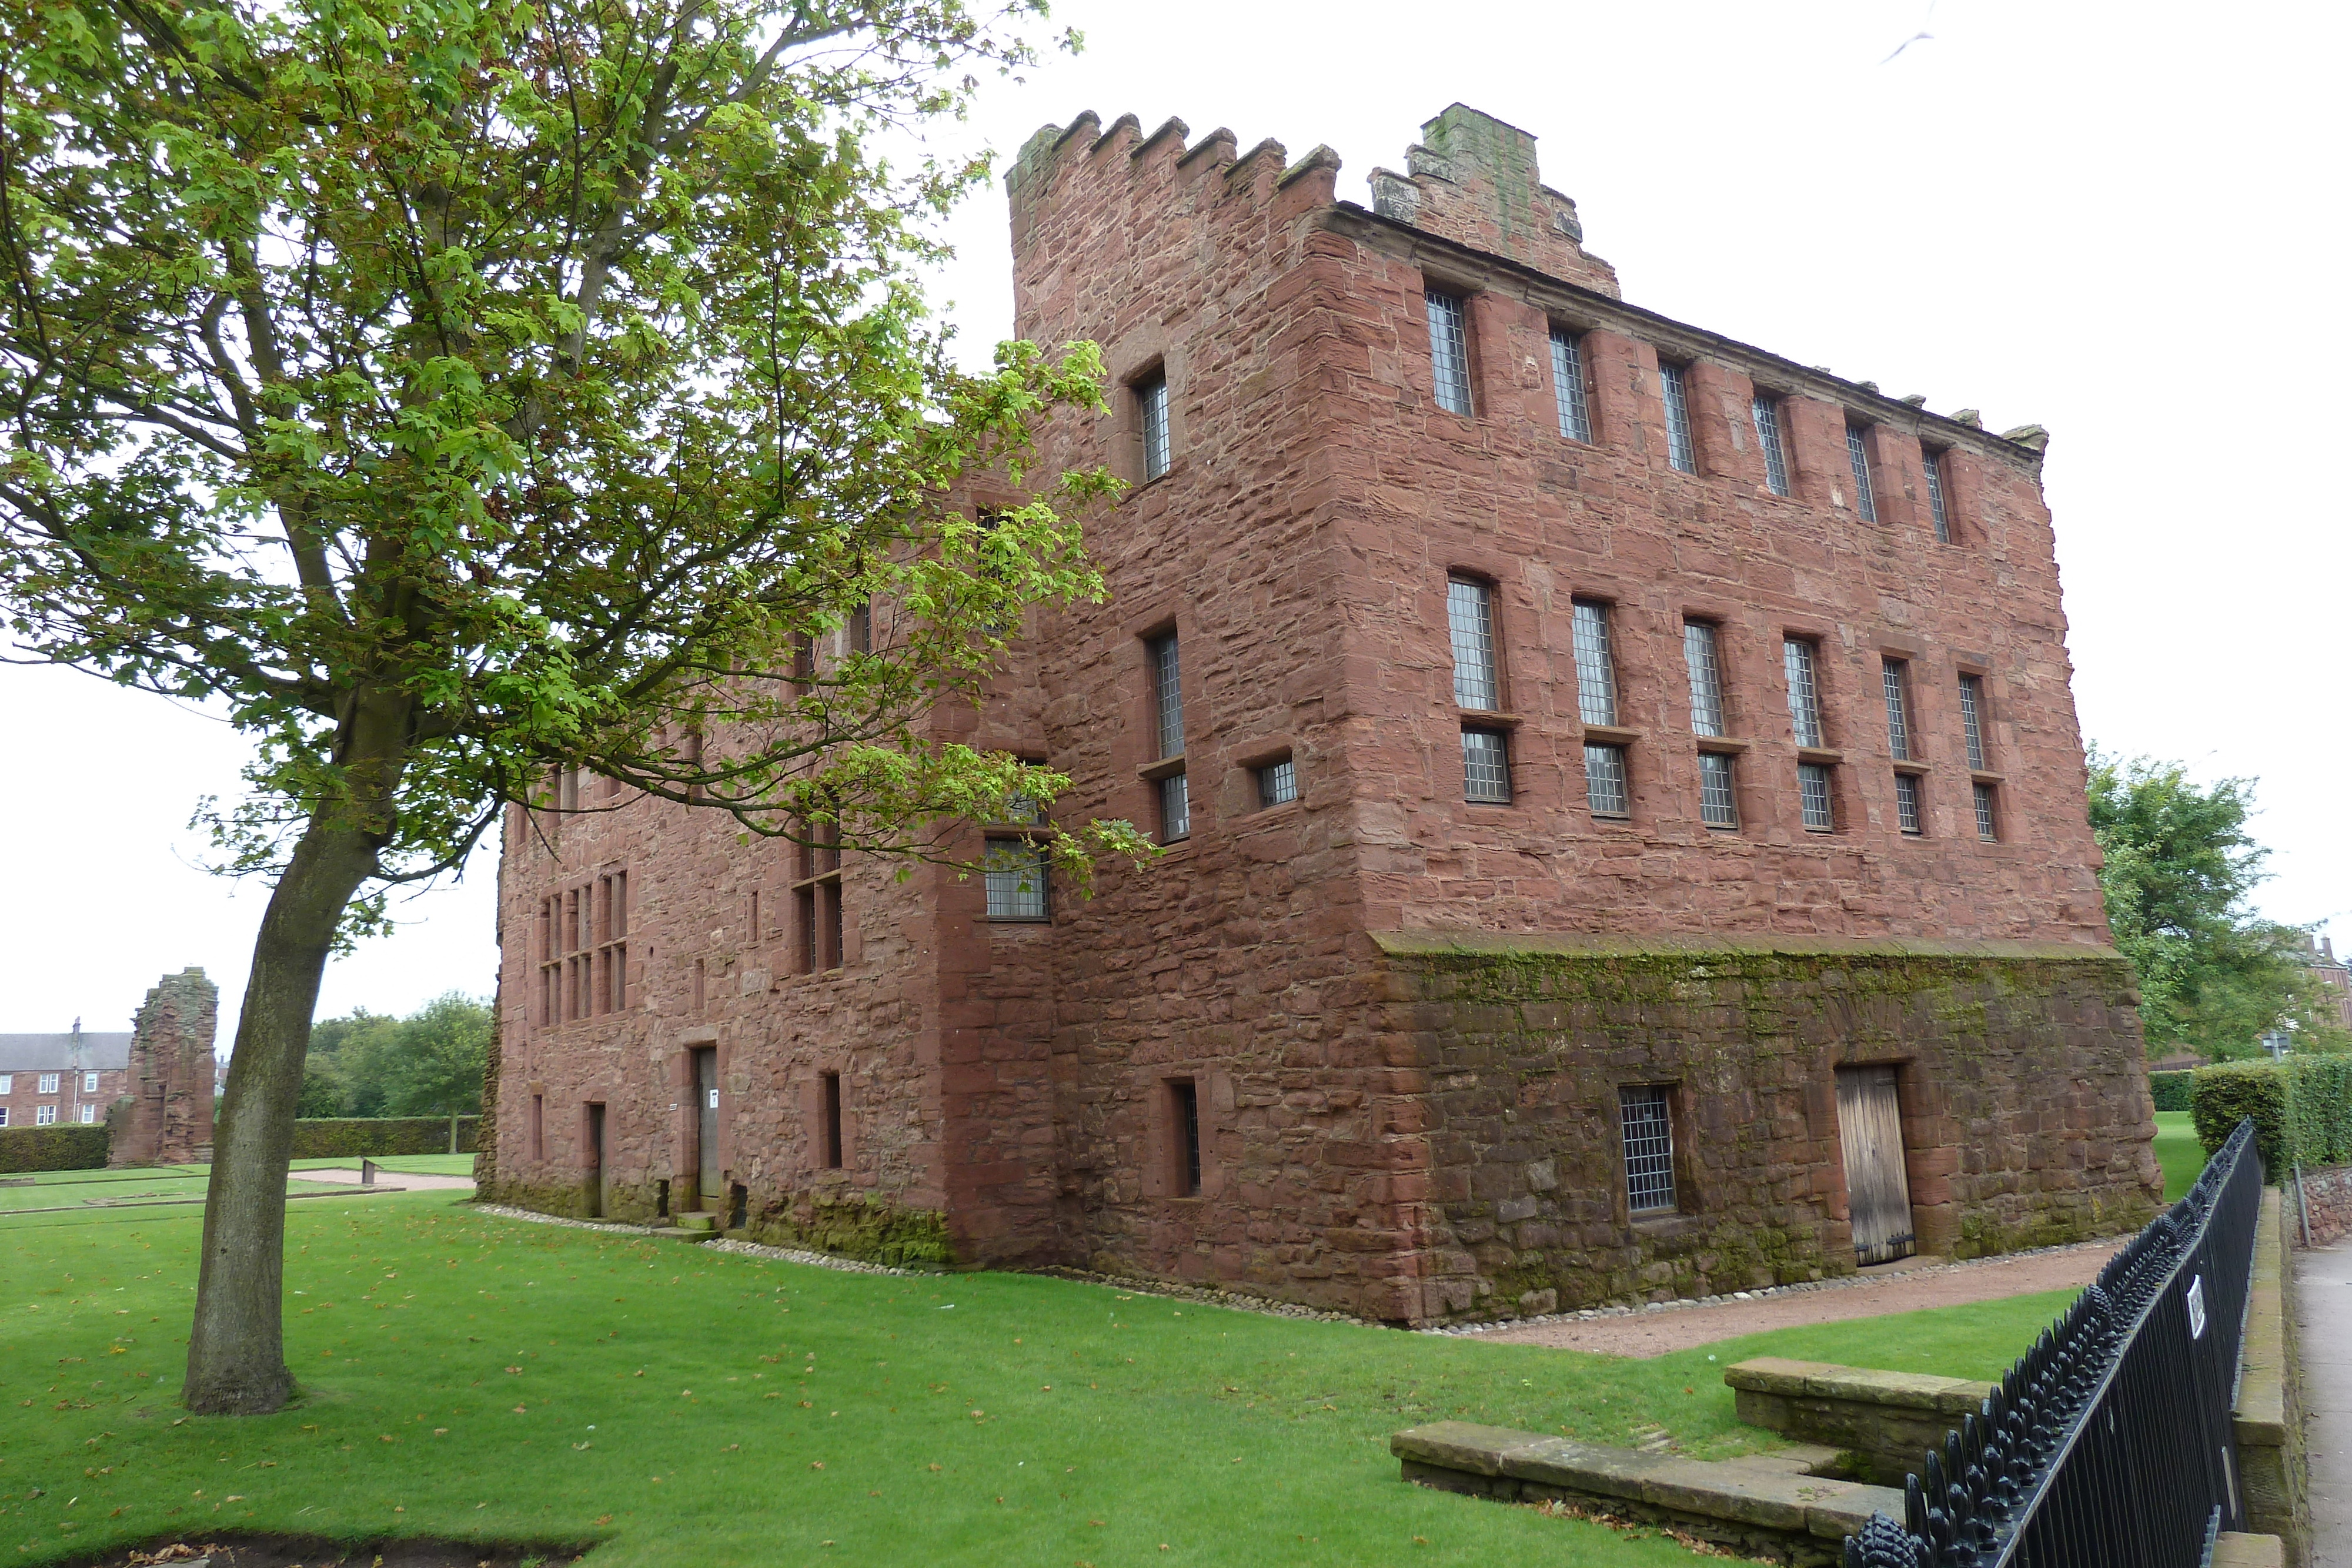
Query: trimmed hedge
[
  {"x": 332, "y": 1137},
  {"x": 2171, "y": 1090},
  {"x": 2302, "y": 1109},
  {"x": 68, "y": 1146}
]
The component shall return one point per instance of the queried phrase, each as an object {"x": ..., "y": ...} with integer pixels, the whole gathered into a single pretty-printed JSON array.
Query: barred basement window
[
  {"x": 1596, "y": 667},
  {"x": 1015, "y": 872},
  {"x": 1766, "y": 411},
  {"x": 1906, "y": 803},
  {"x": 1798, "y": 658},
  {"x": 1706, "y": 677},
  {"x": 1891, "y": 675},
  {"x": 1486, "y": 766},
  {"x": 1568, "y": 385},
  {"x": 1931, "y": 469},
  {"x": 1151, "y": 413},
  {"x": 1972, "y": 718},
  {"x": 1717, "y": 806},
  {"x": 1470, "y": 620},
  {"x": 1988, "y": 825},
  {"x": 1644, "y": 1111},
  {"x": 1679, "y": 450},
  {"x": 1813, "y": 795},
  {"x": 1858, "y": 455},
  {"x": 1277, "y": 784},
  {"x": 1604, "y": 780},
  {"x": 1449, "y": 353}
]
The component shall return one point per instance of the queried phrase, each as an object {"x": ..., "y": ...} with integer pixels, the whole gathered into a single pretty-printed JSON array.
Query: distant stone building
[
  {"x": 167, "y": 1118},
  {"x": 2333, "y": 975},
  {"x": 1622, "y": 794}
]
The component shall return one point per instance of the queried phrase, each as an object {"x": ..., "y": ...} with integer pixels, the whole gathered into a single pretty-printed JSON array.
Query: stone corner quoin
[{"x": 1633, "y": 840}]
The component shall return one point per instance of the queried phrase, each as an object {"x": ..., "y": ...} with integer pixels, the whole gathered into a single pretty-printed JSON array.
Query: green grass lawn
[
  {"x": 470, "y": 1376},
  {"x": 2178, "y": 1151}
]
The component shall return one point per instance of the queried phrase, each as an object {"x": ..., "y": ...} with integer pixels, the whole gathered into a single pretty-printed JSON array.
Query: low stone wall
[
  {"x": 2272, "y": 1463},
  {"x": 2326, "y": 1202},
  {"x": 1770, "y": 1505},
  {"x": 1885, "y": 1420}
]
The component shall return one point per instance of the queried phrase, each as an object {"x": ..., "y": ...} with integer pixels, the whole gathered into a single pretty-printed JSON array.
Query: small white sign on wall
[{"x": 2197, "y": 1307}]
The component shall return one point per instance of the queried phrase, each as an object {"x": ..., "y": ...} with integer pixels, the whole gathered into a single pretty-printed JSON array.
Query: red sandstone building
[
  {"x": 61, "y": 1080},
  {"x": 1623, "y": 799}
]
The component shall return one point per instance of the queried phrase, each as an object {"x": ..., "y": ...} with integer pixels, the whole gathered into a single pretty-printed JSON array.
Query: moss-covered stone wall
[{"x": 2025, "y": 1110}]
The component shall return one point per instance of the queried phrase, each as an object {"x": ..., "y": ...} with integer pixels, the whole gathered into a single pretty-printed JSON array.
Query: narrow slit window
[
  {"x": 1857, "y": 456},
  {"x": 830, "y": 1133},
  {"x": 1486, "y": 766},
  {"x": 1151, "y": 413},
  {"x": 1184, "y": 1102},
  {"x": 1814, "y": 797},
  {"x": 1014, "y": 874},
  {"x": 1449, "y": 353},
  {"x": 1906, "y": 803},
  {"x": 1988, "y": 822},
  {"x": 1568, "y": 385},
  {"x": 1677, "y": 395},
  {"x": 1766, "y": 411},
  {"x": 1796, "y": 658},
  {"x": 1604, "y": 781},
  {"x": 1931, "y": 469},
  {"x": 1700, "y": 654},
  {"x": 1972, "y": 718},
  {"x": 1893, "y": 675},
  {"x": 1168, "y": 695},
  {"x": 1596, "y": 667},
  {"x": 1470, "y": 619},
  {"x": 861, "y": 628},
  {"x": 1645, "y": 1112},
  {"x": 1277, "y": 784},
  {"x": 1717, "y": 805}
]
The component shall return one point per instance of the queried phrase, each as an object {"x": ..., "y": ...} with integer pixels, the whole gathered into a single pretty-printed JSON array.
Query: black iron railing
[{"x": 2110, "y": 1441}]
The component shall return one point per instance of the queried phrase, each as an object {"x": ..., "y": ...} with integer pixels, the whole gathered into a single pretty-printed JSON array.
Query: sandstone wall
[{"x": 168, "y": 1116}]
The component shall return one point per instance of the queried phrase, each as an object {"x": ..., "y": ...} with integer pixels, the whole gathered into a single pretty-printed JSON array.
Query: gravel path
[
  {"x": 1646, "y": 1334},
  {"x": 407, "y": 1181}
]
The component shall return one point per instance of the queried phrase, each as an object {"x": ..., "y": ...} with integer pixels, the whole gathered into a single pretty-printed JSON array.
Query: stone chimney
[
  {"x": 167, "y": 1116},
  {"x": 1473, "y": 180}
]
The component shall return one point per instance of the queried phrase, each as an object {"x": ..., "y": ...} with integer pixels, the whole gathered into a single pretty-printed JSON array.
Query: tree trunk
[{"x": 237, "y": 1360}]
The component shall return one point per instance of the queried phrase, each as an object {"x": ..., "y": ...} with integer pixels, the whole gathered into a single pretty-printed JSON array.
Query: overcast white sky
[{"x": 2122, "y": 222}]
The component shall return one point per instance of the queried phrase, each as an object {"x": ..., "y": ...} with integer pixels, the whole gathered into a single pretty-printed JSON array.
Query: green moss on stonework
[{"x": 855, "y": 1227}]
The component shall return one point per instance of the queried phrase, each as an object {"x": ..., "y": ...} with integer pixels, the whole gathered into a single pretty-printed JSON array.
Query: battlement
[
  {"x": 1089, "y": 152},
  {"x": 1473, "y": 180}
]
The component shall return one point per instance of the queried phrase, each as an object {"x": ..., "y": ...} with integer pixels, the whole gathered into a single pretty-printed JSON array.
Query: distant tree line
[
  {"x": 429, "y": 1063},
  {"x": 2214, "y": 977}
]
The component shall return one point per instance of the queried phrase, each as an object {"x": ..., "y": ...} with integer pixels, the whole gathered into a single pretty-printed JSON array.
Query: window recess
[
  {"x": 1568, "y": 386},
  {"x": 1449, "y": 351},
  {"x": 1675, "y": 392}
]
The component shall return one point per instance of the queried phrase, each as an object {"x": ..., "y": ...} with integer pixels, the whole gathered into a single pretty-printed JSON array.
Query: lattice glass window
[
  {"x": 1470, "y": 617},
  {"x": 1931, "y": 468},
  {"x": 1706, "y": 677},
  {"x": 1015, "y": 873},
  {"x": 1568, "y": 385},
  {"x": 1972, "y": 718},
  {"x": 1717, "y": 806},
  {"x": 1891, "y": 674},
  {"x": 1679, "y": 450},
  {"x": 1813, "y": 795},
  {"x": 1604, "y": 780},
  {"x": 1596, "y": 669},
  {"x": 1449, "y": 353},
  {"x": 1151, "y": 410},
  {"x": 1277, "y": 783},
  {"x": 1175, "y": 808},
  {"x": 1907, "y": 802},
  {"x": 1646, "y": 1115},
  {"x": 1988, "y": 825},
  {"x": 1797, "y": 657},
  {"x": 1486, "y": 766},
  {"x": 1766, "y": 411},
  {"x": 1858, "y": 455},
  {"x": 1168, "y": 694}
]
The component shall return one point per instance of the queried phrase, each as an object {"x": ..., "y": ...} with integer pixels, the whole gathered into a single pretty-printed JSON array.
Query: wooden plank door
[{"x": 1878, "y": 1193}]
